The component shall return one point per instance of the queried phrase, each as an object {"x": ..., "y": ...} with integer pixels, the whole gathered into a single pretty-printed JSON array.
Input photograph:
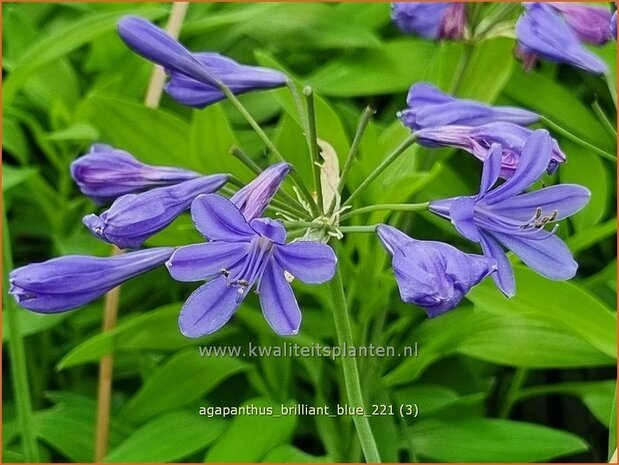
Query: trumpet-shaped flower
[
  {"x": 106, "y": 173},
  {"x": 590, "y": 23},
  {"x": 478, "y": 140},
  {"x": 195, "y": 78},
  {"x": 69, "y": 282},
  {"x": 506, "y": 215},
  {"x": 541, "y": 31},
  {"x": 431, "y": 20},
  {"x": 253, "y": 199},
  {"x": 430, "y": 274},
  {"x": 429, "y": 107},
  {"x": 613, "y": 25},
  {"x": 133, "y": 218},
  {"x": 241, "y": 255}
]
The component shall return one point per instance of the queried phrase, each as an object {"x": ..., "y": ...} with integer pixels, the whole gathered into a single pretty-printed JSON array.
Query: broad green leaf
[
  {"x": 33, "y": 323},
  {"x": 75, "y": 132},
  {"x": 152, "y": 135},
  {"x": 557, "y": 303},
  {"x": 492, "y": 440},
  {"x": 12, "y": 176},
  {"x": 251, "y": 437},
  {"x": 198, "y": 374},
  {"x": 14, "y": 139},
  {"x": 591, "y": 235},
  {"x": 429, "y": 398},
  {"x": 391, "y": 68},
  {"x": 560, "y": 105},
  {"x": 168, "y": 438},
  {"x": 287, "y": 453}
]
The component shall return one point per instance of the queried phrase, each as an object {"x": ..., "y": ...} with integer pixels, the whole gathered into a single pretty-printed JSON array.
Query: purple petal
[
  {"x": 310, "y": 262},
  {"x": 269, "y": 228},
  {"x": 534, "y": 160},
  {"x": 491, "y": 169},
  {"x": 549, "y": 257},
  {"x": 590, "y": 23},
  {"x": 253, "y": 199},
  {"x": 208, "y": 308},
  {"x": 199, "y": 262},
  {"x": 278, "y": 303},
  {"x": 392, "y": 238},
  {"x": 218, "y": 219},
  {"x": 566, "y": 199},
  {"x": 504, "y": 277},
  {"x": 419, "y": 18},
  {"x": 461, "y": 214}
]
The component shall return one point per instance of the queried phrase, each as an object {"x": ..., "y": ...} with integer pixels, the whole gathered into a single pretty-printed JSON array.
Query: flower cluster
[{"x": 244, "y": 250}]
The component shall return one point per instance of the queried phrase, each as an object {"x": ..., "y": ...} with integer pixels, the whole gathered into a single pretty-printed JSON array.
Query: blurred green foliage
[{"x": 526, "y": 379}]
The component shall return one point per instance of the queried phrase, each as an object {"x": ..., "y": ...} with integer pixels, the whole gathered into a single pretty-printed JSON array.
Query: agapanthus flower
[
  {"x": 195, "y": 78},
  {"x": 613, "y": 25},
  {"x": 429, "y": 107},
  {"x": 541, "y": 31},
  {"x": 478, "y": 140},
  {"x": 590, "y": 23},
  {"x": 253, "y": 199},
  {"x": 431, "y": 20},
  {"x": 106, "y": 173},
  {"x": 430, "y": 274},
  {"x": 507, "y": 216},
  {"x": 241, "y": 255},
  {"x": 69, "y": 282},
  {"x": 133, "y": 218}
]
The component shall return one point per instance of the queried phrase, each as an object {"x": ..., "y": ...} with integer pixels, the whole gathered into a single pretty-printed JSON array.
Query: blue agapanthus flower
[
  {"x": 106, "y": 173},
  {"x": 431, "y": 20},
  {"x": 133, "y": 218},
  {"x": 613, "y": 25},
  {"x": 507, "y": 215},
  {"x": 429, "y": 107},
  {"x": 590, "y": 23},
  {"x": 430, "y": 274},
  {"x": 195, "y": 78},
  {"x": 69, "y": 282},
  {"x": 478, "y": 140},
  {"x": 239, "y": 256},
  {"x": 541, "y": 31}
]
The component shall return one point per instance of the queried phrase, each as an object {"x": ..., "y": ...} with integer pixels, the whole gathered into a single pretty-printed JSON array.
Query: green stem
[
  {"x": 404, "y": 207},
  {"x": 312, "y": 144},
  {"x": 21, "y": 387},
  {"x": 380, "y": 168},
  {"x": 270, "y": 145},
  {"x": 610, "y": 127},
  {"x": 358, "y": 229},
  {"x": 354, "y": 147},
  {"x": 350, "y": 370},
  {"x": 244, "y": 158},
  {"x": 579, "y": 141},
  {"x": 519, "y": 378}
]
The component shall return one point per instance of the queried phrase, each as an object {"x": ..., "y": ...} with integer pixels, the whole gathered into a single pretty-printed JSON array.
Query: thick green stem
[
  {"x": 312, "y": 145},
  {"x": 404, "y": 207},
  {"x": 554, "y": 126},
  {"x": 350, "y": 369},
  {"x": 511, "y": 396},
  {"x": 380, "y": 168},
  {"x": 21, "y": 387},
  {"x": 358, "y": 229}
]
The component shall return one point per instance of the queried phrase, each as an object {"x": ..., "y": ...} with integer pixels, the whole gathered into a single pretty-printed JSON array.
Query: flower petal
[
  {"x": 504, "y": 277},
  {"x": 549, "y": 257},
  {"x": 199, "y": 262},
  {"x": 278, "y": 303},
  {"x": 392, "y": 238},
  {"x": 534, "y": 160},
  {"x": 269, "y": 228},
  {"x": 208, "y": 308},
  {"x": 462, "y": 217},
  {"x": 566, "y": 199},
  {"x": 491, "y": 169},
  {"x": 311, "y": 262},
  {"x": 218, "y": 219}
]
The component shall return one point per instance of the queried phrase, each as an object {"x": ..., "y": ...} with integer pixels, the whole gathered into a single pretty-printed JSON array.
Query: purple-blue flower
[
  {"x": 541, "y": 31},
  {"x": 69, "y": 282},
  {"x": 429, "y": 107},
  {"x": 106, "y": 173},
  {"x": 253, "y": 199},
  {"x": 241, "y": 255},
  {"x": 430, "y": 274},
  {"x": 589, "y": 22},
  {"x": 431, "y": 20},
  {"x": 613, "y": 25},
  {"x": 510, "y": 217},
  {"x": 133, "y": 218},
  {"x": 478, "y": 140},
  {"x": 195, "y": 78}
]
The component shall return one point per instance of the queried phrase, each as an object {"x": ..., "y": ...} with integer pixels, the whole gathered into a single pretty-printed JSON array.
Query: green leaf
[
  {"x": 251, "y": 437},
  {"x": 429, "y": 398},
  {"x": 290, "y": 454},
  {"x": 391, "y": 68},
  {"x": 557, "y": 303},
  {"x": 168, "y": 438},
  {"x": 33, "y": 323},
  {"x": 492, "y": 440},
  {"x": 12, "y": 176},
  {"x": 199, "y": 376},
  {"x": 75, "y": 132}
]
